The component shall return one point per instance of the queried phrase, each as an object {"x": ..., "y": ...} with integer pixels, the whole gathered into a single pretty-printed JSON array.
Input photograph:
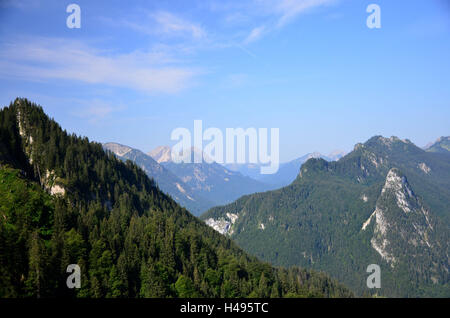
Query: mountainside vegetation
[
  {"x": 64, "y": 200},
  {"x": 385, "y": 203}
]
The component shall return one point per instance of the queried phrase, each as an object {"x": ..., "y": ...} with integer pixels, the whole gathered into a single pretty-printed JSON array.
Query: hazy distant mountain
[
  {"x": 385, "y": 203},
  {"x": 190, "y": 184},
  {"x": 161, "y": 154},
  {"x": 287, "y": 171},
  {"x": 336, "y": 154},
  {"x": 442, "y": 145},
  {"x": 210, "y": 180},
  {"x": 166, "y": 180},
  {"x": 252, "y": 170}
]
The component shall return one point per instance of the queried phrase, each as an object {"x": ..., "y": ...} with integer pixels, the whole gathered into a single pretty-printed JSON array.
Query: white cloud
[
  {"x": 275, "y": 14},
  {"x": 50, "y": 58},
  {"x": 255, "y": 34},
  {"x": 19, "y": 4},
  {"x": 290, "y": 9},
  {"x": 170, "y": 24},
  {"x": 95, "y": 110},
  {"x": 161, "y": 23}
]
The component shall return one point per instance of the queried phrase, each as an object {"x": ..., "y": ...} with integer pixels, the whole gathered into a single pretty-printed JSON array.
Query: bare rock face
[
  {"x": 48, "y": 179},
  {"x": 402, "y": 224},
  {"x": 422, "y": 166},
  {"x": 223, "y": 225},
  {"x": 161, "y": 154},
  {"x": 118, "y": 149}
]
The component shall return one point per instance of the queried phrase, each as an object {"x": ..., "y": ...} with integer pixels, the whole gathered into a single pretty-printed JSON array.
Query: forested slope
[{"x": 386, "y": 203}]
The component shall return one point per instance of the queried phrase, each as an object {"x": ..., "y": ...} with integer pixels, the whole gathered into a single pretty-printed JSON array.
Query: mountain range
[
  {"x": 211, "y": 180},
  {"x": 385, "y": 203},
  {"x": 65, "y": 200},
  {"x": 166, "y": 180},
  {"x": 201, "y": 186},
  {"x": 196, "y": 186}
]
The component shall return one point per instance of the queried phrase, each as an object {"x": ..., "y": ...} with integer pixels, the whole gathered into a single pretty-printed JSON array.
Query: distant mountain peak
[
  {"x": 314, "y": 154},
  {"x": 441, "y": 145},
  {"x": 161, "y": 154},
  {"x": 442, "y": 138},
  {"x": 336, "y": 154},
  {"x": 379, "y": 148},
  {"x": 387, "y": 141},
  {"x": 118, "y": 149}
]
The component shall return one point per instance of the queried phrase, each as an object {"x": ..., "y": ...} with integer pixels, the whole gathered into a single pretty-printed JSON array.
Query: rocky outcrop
[
  {"x": 223, "y": 225},
  {"x": 399, "y": 217}
]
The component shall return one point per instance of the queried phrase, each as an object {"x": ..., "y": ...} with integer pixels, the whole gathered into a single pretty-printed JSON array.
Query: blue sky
[{"x": 136, "y": 70}]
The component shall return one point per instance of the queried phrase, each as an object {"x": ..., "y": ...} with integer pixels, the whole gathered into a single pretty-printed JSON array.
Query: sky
[{"x": 136, "y": 70}]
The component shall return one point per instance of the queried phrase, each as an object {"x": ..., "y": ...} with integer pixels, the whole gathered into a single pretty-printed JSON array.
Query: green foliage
[
  {"x": 26, "y": 213},
  {"x": 185, "y": 287}
]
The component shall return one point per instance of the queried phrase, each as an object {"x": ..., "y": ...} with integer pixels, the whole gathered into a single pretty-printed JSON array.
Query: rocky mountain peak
[
  {"x": 398, "y": 183},
  {"x": 441, "y": 145},
  {"x": 314, "y": 155},
  {"x": 118, "y": 149},
  {"x": 161, "y": 154},
  {"x": 385, "y": 142},
  {"x": 336, "y": 154}
]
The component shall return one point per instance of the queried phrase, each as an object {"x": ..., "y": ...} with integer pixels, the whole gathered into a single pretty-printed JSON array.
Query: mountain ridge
[
  {"x": 441, "y": 145},
  {"x": 209, "y": 179},
  {"x": 166, "y": 180},
  {"x": 161, "y": 154}
]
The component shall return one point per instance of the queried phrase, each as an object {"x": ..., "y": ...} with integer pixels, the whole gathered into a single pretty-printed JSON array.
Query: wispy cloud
[
  {"x": 52, "y": 58},
  {"x": 19, "y": 4},
  {"x": 162, "y": 23},
  {"x": 255, "y": 34},
  {"x": 170, "y": 24},
  {"x": 290, "y": 9},
  {"x": 275, "y": 14},
  {"x": 163, "y": 68},
  {"x": 96, "y": 110}
]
